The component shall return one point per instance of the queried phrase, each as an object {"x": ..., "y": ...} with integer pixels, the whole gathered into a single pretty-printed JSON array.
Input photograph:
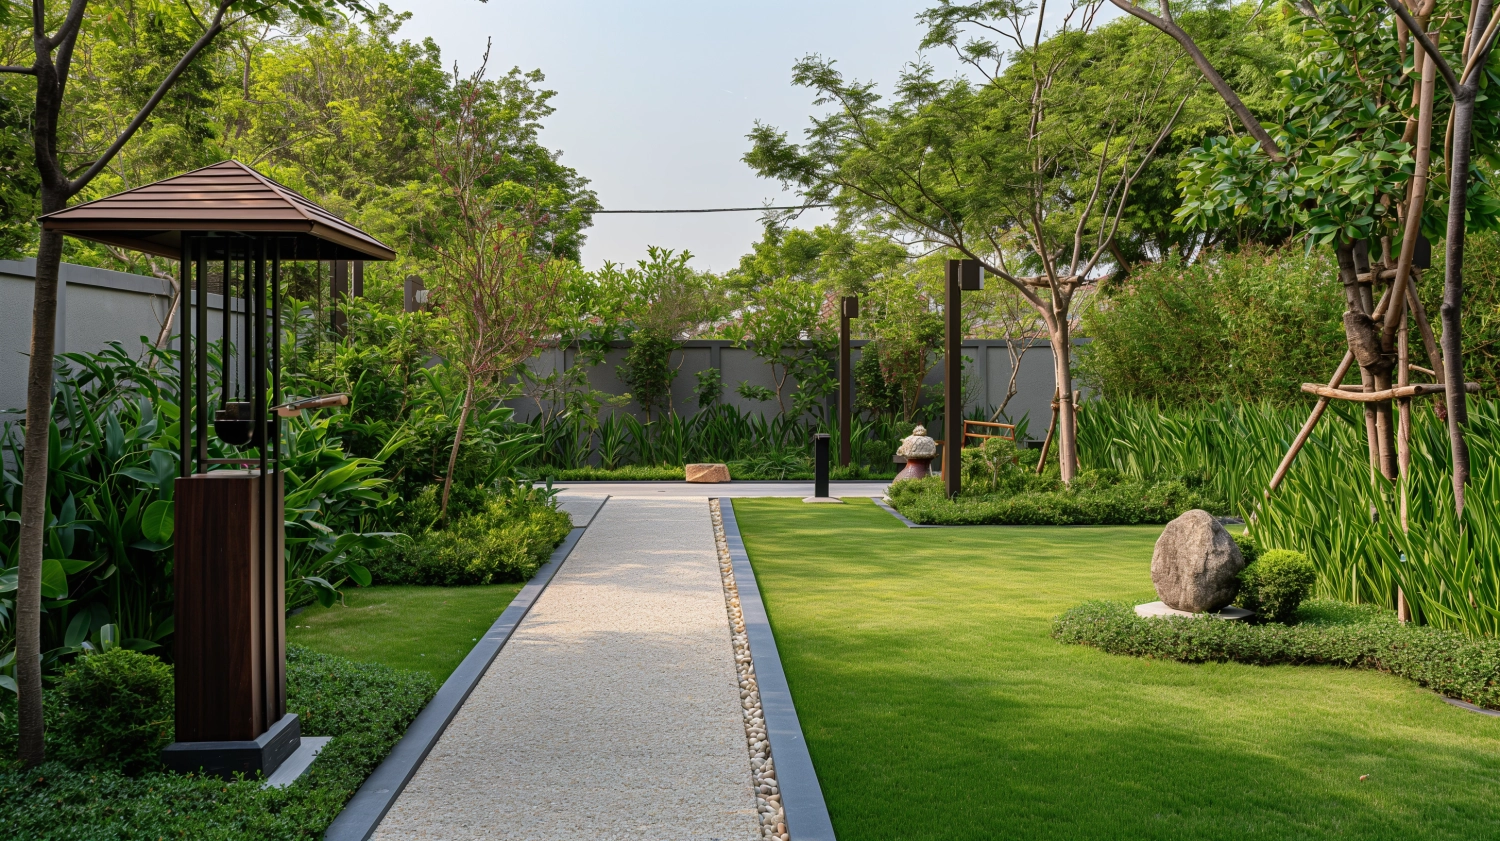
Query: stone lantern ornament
[
  {"x": 1195, "y": 569},
  {"x": 919, "y": 451}
]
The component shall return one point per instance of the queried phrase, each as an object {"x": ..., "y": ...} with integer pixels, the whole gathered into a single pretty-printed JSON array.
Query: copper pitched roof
[{"x": 227, "y": 197}]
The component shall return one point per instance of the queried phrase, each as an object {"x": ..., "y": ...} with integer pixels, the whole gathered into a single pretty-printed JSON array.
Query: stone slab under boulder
[
  {"x": 707, "y": 474},
  {"x": 1196, "y": 564},
  {"x": 1158, "y": 610}
]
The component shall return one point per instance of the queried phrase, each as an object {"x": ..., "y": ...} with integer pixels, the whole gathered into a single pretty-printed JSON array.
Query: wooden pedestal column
[{"x": 230, "y": 625}]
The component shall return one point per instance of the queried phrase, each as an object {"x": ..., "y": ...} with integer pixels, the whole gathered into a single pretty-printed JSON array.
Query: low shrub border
[
  {"x": 1354, "y": 636},
  {"x": 925, "y": 502},
  {"x": 365, "y": 707}
]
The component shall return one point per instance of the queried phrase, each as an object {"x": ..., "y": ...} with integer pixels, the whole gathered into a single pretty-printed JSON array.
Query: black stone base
[{"x": 223, "y": 759}]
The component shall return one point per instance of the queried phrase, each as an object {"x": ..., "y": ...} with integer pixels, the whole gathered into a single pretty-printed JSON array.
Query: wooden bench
[{"x": 980, "y": 430}]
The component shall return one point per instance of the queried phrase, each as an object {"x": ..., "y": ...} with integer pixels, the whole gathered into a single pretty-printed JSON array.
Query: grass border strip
[
  {"x": 903, "y": 518},
  {"x": 364, "y": 811},
  {"x": 801, "y": 795}
]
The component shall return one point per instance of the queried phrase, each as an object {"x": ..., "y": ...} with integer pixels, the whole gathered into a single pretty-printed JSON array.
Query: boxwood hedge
[{"x": 1334, "y": 634}]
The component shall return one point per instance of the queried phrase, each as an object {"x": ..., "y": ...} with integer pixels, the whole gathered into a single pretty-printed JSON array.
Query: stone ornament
[
  {"x": 707, "y": 474},
  {"x": 917, "y": 445},
  {"x": 1196, "y": 564}
]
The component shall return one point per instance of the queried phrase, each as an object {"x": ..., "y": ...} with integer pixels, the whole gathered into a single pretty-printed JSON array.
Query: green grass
[
  {"x": 427, "y": 629},
  {"x": 935, "y": 704}
]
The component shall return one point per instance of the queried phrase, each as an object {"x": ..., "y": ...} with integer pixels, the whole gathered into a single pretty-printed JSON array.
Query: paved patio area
[{"x": 614, "y": 711}]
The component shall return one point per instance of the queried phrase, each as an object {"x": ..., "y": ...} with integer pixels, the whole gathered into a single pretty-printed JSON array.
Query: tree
[
  {"x": 907, "y": 333},
  {"x": 1343, "y": 165},
  {"x": 781, "y": 322},
  {"x": 664, "y": 299},
  {"x": 54, "y": 38},
  {"x": 1027, "y": 169},
  {"x": 496, "y": 284}
]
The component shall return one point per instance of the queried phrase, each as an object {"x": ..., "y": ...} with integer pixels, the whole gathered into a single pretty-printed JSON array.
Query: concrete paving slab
[
  {"x": 723, "y": 490},
  {"x": 581, "y": 507},
  {"x": 613, "y": 712}
]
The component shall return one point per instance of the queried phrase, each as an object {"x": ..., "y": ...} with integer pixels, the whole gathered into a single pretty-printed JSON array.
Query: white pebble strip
[{"x": 762, "y": 768}]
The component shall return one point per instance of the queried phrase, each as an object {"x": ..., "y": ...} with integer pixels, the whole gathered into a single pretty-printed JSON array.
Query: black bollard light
[
  {"x": 820, "y": 465},
  {"x": 820, "y": 470}
]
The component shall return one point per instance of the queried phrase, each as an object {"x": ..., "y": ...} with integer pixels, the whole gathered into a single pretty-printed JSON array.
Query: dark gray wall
[
  {"x": 987, "y": 371},
  {"x": 95, "y": 307}
]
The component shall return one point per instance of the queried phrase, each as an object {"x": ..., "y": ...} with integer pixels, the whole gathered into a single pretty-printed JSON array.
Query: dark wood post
[
  {"x": 848, "y": 308},
  {"x": 414, "y": 299},
  {"x": 339, "y": 296},
  {"x": 357, "y": 285},
  {"x": 962, "y": 275}
]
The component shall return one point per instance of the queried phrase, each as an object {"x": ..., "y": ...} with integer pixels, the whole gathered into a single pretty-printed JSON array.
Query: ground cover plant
[
  {"x": 365, "y": 707},
  {"x": 1362, "y": 636},
  {"x": 936, "y": 704},
  {"x": 427, "y": 629}
]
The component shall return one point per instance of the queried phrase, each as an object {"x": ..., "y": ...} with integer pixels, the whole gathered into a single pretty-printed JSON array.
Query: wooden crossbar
[
  {"x": 1356, "y": 394},
  {"x": 1009, "y": 432}
]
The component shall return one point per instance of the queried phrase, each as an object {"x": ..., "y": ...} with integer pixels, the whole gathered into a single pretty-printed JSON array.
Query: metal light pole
[
  {"x": 848, "y": 308},
  {"x": 963, "y": 276}
]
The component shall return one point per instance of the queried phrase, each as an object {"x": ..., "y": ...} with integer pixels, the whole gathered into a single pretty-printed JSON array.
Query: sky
[{"x": 654, "y": 99}]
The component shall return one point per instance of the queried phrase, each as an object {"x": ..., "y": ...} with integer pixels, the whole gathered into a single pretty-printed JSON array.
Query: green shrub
[
  {"x": 512, "y": 534},
  {"x": 877, "y": 454},
  {"x": 114, "y": 709},
  {"x": 1443, "y": 661},
  {"x": 1275, "y": 584},
  {"x": 626, "y": 473},
  {"x": 365, "y": 707},
  {"x": 1049, "y": 503},
  {"x": 1249, "y": 548}
]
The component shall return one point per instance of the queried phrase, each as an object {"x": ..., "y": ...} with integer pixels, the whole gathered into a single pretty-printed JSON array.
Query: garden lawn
[
  {"x": 429, "y": 629},
  {"x": 936, "y": 705}
]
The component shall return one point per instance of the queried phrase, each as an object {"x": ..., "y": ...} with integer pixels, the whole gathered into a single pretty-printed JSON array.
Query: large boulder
[{"x": 1196, "y": 564}]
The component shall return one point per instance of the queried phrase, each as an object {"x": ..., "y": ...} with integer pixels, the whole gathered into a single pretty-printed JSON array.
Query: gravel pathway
[{"x": 613, "y": 712}]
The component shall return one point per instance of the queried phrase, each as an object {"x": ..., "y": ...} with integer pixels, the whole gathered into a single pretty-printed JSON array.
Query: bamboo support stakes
[{"x": 1357, "y": 394}]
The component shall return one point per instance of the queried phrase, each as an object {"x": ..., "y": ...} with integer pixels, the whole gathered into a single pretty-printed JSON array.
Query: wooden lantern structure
[{"x": 229, "y": 573}]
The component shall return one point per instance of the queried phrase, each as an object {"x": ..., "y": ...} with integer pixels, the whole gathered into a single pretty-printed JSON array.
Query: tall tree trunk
[
  {"x": 1067, "y": 437},
  {"x": 1363, "y": 335},
  {"x": 458, "y": 438},
  {"x": 1451, "y": 310},
  {"x": 34, "y": 489}
]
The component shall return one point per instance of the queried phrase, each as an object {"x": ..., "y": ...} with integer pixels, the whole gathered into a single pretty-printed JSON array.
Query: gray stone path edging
[
  {"x": 801, "y": 795},
  {"x": 364, "y": 811},
  {"x": 1465, "y": 705},
  {"x": 903, "y": 518}
]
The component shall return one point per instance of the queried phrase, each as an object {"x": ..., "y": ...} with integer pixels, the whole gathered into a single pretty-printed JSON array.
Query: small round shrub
[
  {"x": 114, "y": 709},
  {"x": 1275, "y": 585}
]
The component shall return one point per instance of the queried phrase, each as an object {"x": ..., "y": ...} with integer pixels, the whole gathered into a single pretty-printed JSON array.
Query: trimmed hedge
[
  {"x": 506, "y": 538},
  {"x": 1122, "y": 503},
  {"x": 113, "y": 709},
  {"x": 366, "y": 707},
  {"x": 1354, "y": 636}
]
